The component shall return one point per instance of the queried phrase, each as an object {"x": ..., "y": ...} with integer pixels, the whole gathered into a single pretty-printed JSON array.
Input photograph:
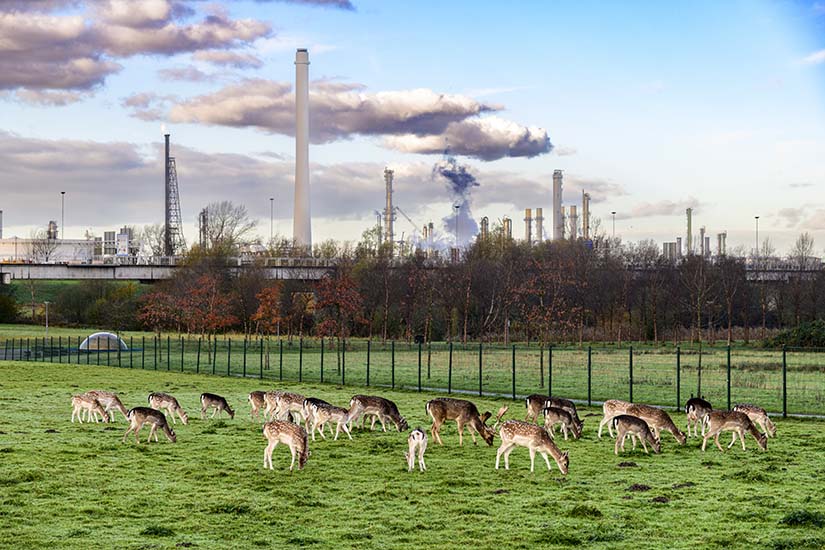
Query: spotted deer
[
  {"x": 464, "y": 413},
  {"x": 657, "y": 420},
  {"x": 732, "y": 421},
  {"x": 538, "y": 402},
  {"x": 322, "y": 413},
  {"x": 169, "y": 405},
  {"x": 292, "y": 435},
  {"x": 307, "y": 411},
  {"x": 145, "y": 415},
  {"x": 110, "y": 402},
  {"x": 381, "y": 409},
  {"x": 696, "y": 409},
  {"x": 554, "y": 416},
  {"x": 257, "y": 404},
  {"x": 635, "y": 428},
  {"x": 515, "y": 433},
  {"x": 612, "y": 408},
  {"x": 85, "y": 403},
  {"x": 417, "y": 445},
  {"x": 213, "y": 401},
  {"x": 284, "y": 405},
  {"x": 758, "y": 416}
]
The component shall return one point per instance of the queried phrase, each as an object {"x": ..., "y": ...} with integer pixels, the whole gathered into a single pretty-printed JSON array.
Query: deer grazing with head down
[
  {"x": 257, "y": 404},
  {"x": 515, "y": 433},
  {"x": 417, "y": 445},
  {"x": 554, "y": 416},
  {"x": 220, "y": 404},
  {"x": 465, "y": 413},
  {"x": 361, "y": 406},
  {"x": 322, "y": 413},
  {"x": 612, "y": 408},
  {"x": 758, "y": 416},
  {"x": 635, "y": 428},
  {"x": 537, "y": 402},
  {"x": 284, "y": 405},
  {"x": 732, "y": 421},
  {"x": 168, "y": 404},
  {"x": 292, "y": 435},
  {"x": 89, "y": 405},
  {"x": 657, "y": 420},
  {"x": 110, "y": 402},
  {"x": 144, "y": 415},
  {"x": 696, "y": 409}
]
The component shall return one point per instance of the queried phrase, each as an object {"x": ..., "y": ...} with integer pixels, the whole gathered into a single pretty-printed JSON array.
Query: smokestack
[
  {"x": 689, "y": 241},
  {"x": 301, "y": 226},
  {"x": 539, "y": 225},
  {"x": 485, "y": 228},
  {"x": 528, "y": 226},
  {"x": 563, "y": 218},
  {"x": 558, "y": 211},
  {"x": 706, "y": 248},
  {"x": 167, "y": 234},
  {"x": 702, "y": 248},
  {"x": 724, "y": 242},
  {"x": 430, "y": 233},
  {"x": 586, "y": 215},
  {"x": 508, "y": 228},
  {"x": 574, "y": 220},
  {"x": 389, "y": 211},
  {"x": 679, "y": 246}
]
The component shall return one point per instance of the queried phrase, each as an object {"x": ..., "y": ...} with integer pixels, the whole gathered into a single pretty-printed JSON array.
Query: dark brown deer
[
  {"x": 696, "y": 409},
  {"x": 630, "y": 426},
  {"x": 464, "y": 413},
  {"x": 144, "y": 415},
  {"x": 220, "y": 404}
]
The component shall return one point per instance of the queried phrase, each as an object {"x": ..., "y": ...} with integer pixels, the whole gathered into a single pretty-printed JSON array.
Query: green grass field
[{"x": 78, "y": 486}]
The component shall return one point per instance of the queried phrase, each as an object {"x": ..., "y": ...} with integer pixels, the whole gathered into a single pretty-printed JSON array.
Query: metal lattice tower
[{"x": 173, "y": 242}]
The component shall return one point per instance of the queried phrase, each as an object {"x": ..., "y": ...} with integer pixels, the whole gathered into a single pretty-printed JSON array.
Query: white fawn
[
  {"x": 144, "y": 415},
  {"x": 110, "y": 402},
  {"x": 90, "y": 405},
  {"x": 732, "y": 421},
  {"x": 465, "y": 413},
  {"x": 257, "y": 403},
  {"x": 758, "y": 416},
  {"x": 210, "y": 400},
  {"x": 417, "y": 445},
  {"x": 696, "y": 409},
  {"x": 612, "y": 408},
  {"x": 526, "y": 434},
  {"x": 379, "y": 408},
  {"x": 170, "y": 405},
  {"x": 633, "y": 427},
  {"x": 554, "y": 416},
  {"x": 293, "y": 435}
]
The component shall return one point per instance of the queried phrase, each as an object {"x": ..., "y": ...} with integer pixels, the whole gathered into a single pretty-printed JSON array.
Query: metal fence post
[
  {"x": 261, "y": 353},
  {"x": 343, "y": 361},
  {"x": 429, "y": 358},
  {"x": 541, "y": 365},
  {"x": 59, "y": 349},
  {"x": 419, "y": 367},
  {"x": 678, "y": 378},
  {"x": 450, "y": 371},
  {"x": 131, "y": 350},
  {"x": 589, "y": 374},
  {"x": 154, "y": 351},
  {"x": 630, "y": 365},
  {"x": 280, "y": 359},
  {"x": 244, "y": 356},
  {"x": 214, "y": 352},
  {"x": 301, "y": 360},
  {"x": 198, "y": 360},
  {"x": 784, "y": 382},
  {"x": 728, "y": 378},
  {"x": 142, "y": 353},
  {"x": 369, "y": 345},
  {"x": 480, "y": 353},
  {"x": 550, "y": 371},
  {"x": 393, "y": 364},
  {"x": 182, "y": 346},
  {"x": 168, "y": 352},
  {"x": 322, "y": 359},
  {"x": 229, "y": 356},
  {"x": 514, "y": 372}
]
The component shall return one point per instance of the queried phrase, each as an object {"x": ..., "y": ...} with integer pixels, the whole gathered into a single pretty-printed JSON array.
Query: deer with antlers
[
  {"x": 292, "y": 435},
  {"x": 515, "y": 433}
]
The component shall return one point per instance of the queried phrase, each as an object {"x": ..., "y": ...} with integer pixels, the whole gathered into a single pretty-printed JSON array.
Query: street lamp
[
  {"x": 457, "y": 208},
  {"x": 271, "y": 217},
  {"x": 63, "y": 213},
  {"x": 47, "y": 318},
  {"x": 614, "y": 223},
  {"x": 757, "y": 237}
]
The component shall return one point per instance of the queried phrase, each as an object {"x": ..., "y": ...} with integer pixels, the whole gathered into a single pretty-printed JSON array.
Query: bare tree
[
  {"x": 153, "y": 239},
  {"x": 228, "y": 226},
  {"x": 40, "y": 248},
  {"x": 802, "y": 260}
]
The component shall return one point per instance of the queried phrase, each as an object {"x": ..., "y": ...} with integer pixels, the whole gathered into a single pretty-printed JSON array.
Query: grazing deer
[
  {"x": 379, "y": 408},
  {"x": 307, "y": 411},
  {"x": 696, "y": 409},
  {"x": 143, "y": 415},
  {"x": 612, "y": 408},
  {"x": 464, "y": 413},
  {"x": 90, "y": 405},
  {"x": 110, "y": 401},
  {"x": 323, "y": 412},
  {"x": 161, "y": 401},
  {"x": 216, "y": 402},
  {"x": 271, "y": 402},
  {"x": 284, "y": 405},
  {"x": 657, "y": 420},
  {"x": 417, "y": 443},
  {"x": 538, "y": 402},
  {"x": 555, "y": 415},
  {"x": 633, "y": 427},
  {"x": 293, "y": 435},
  {"x": 257, "y": 404},
  {"x": 535, "y": 403},
  {"x": 526, "y": 434},
  {"x": 758, "y": 416},
  {"x": 732, "y": 421}
]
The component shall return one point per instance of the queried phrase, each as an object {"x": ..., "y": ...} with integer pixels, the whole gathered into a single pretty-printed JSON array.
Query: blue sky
[{"x": 650, "y": 106}]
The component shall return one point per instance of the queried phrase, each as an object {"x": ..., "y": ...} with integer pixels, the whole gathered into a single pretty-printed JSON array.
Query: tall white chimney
[
  {"x": 558, "y": 215},
  {"x": 574, "y": 223},
  {"x": 528, "y": 226},
  {"x": 689, "y": 243},
  {"x": 301, "y": 225},
  {"x": 585, "y": 215},
  {"x": 702, "y": 248},
  {"x": 1, "y": 224},
  {"x": 539, "y": 225}
]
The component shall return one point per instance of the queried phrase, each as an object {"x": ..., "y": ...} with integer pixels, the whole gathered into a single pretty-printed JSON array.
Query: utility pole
[{"x": 63, "y": 214}]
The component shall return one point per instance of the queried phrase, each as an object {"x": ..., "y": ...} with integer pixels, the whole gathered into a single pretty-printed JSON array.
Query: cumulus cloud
[
  {"x": 339, "y": 4},
  {"x": 189, "y": 74},
  {"x": 229, "y": 59},
  {"x": 660, "y": 208},
  {"x": 815, "y": 58}
]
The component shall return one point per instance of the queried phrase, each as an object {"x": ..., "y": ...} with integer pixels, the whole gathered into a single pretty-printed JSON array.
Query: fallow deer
[
  {"x": 168, "y": 404},
  {"x": 257, "y": 404},
  {"x": 293, "y": 435},
  {"x": 464, "y": 413},
  {"x": 417, "y": 445},
  {"x": 144, "y": 415},
  {"x": 322, "y": 412},
  {"x": 696, "y": 409},
  {"x": 526, "y": 434},
  {"x": 732, "y": 421},
  {"x": 612, "y": 408},
  {"x": 555, "y": 415},
  {"x": 758, "y": 416},
  {"x": 379, "y": 408},
  {"x": 284, "y": 405},
  {"x": 657, "y": 420},
  {"x": 110, "y": 402},
  {"x": 307, "y": 411},
  {"x": 220, "y": 404},
  {"x": 538, "y": 402},
  {"x": 633, "y": 427},
  {"x": 88, "y": 404}
]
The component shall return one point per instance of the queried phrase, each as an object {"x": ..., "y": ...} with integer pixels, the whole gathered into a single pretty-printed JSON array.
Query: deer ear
[{"x": 566, "y": 454}]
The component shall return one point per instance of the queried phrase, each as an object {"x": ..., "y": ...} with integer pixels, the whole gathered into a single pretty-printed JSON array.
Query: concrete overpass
[{"x": 302, "y": 269}]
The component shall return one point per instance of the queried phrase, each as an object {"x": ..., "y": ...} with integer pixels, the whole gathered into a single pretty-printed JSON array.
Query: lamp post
[
  {"x": 271, "y": 217},
  {"x": 614, "y": 223},
  {"x": 47, "y": 318},
  {"x": 457, "y": 207},
  {"x": 63, "y": 214},
  {"x": 757, "y": 237}
]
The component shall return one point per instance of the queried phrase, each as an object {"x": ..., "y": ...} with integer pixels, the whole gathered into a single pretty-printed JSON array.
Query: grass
[{"x": 78, "y": 486}]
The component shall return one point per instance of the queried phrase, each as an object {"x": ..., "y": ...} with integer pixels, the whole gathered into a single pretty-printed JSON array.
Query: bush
[
  {"x": 8, "y": 309},
  {"x": 806, "y": 335}
]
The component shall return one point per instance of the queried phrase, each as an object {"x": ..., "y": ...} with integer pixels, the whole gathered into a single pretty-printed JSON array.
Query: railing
[{"x": 787, "y": 381}]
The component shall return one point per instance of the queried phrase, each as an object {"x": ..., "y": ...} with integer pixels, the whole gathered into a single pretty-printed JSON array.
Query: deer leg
[
  {"x": 547, "y": 460},
  {"x": 716, "y": 440},
  {"x": 564, "y": 430},
  {"x": 605, "y": 421},
  {"x": 644, "y": 445},
  {"x": 507, "y": 455},
  {"x": 346, "y": 429},
  {"x": 616, "y": 447},
  {"x": 137, "y": 431},
  {"x": 732, "y": 439},
  {"x": 742, "y": 437},
  {"x": 292, "y": 451},
  {"x": 128, "y": 431},
  {"x": 499, "y": 452},
  {"x": 216, "y": 411},
  {"x": 532, "y": 459},
  {"x": 460, "y": 432},
  {"x": 383, "y": 423},
  {"x": 422, "y": 447}
]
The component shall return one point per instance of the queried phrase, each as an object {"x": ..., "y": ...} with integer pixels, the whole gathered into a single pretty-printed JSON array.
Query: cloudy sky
[{"x": 651, "y": 107}]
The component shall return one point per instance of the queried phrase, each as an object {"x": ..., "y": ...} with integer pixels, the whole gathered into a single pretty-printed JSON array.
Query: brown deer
[
  {"x": 110, "y": 402},
  {"x": 630, "y": 426},
  {"x": 417, "y": 444},
  {"x": 170, "y": 405},
  {"x": 758, "y": 416},
  {"x": 555, "y": 415},
  {"x": 307, "y": 411},
  {"x": 257, "y": 404},
  {"x": 323, "y": 412},
  {"x": 88, "y": 404},
  {"x": 284, "y": 405},
  {"x": 379, "y": 408},
  {"x": 696, "y": 409},
  {"x": 538, "y": 402},
  {"x": 732, "y": 421},
  {"x": 220, "y": 404},
  {"x": 293, "y": 435},
  {"x": 143, "y": 415},
  {"x": 657, "y": 420},
  {"x": 612, "y": 408},
  {"x": 464, "y": 413},
  {"x": 526, "y": 434}
]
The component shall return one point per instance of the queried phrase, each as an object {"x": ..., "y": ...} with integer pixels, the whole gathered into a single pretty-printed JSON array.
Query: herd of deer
[{"x": 291, "y": 418}]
